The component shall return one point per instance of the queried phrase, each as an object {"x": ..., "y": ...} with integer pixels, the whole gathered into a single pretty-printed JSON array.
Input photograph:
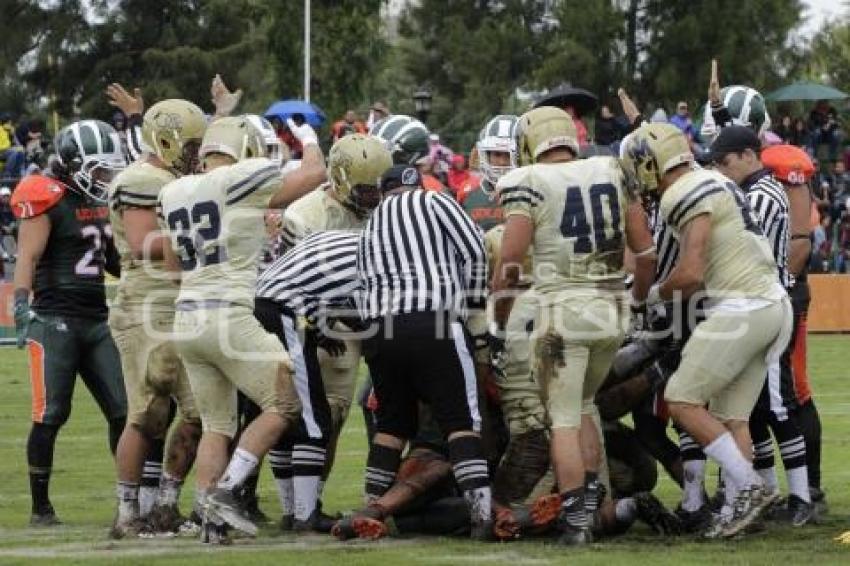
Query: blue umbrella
[{"x": 284, "y": 109}]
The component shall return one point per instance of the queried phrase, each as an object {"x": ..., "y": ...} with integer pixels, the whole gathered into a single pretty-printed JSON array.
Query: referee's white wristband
[{"x": 653, "y": 297}]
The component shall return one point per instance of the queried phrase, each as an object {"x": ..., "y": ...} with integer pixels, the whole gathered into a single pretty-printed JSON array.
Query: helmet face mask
[
  {"x": 168, "y": 127},
  {"x": 355, "y": 164},
  {"x": 649, "y": 152},
  {"x": 273, "y": 145},
  {"x": 497, "y": 136},
  {"x": 90, "y": 155}
]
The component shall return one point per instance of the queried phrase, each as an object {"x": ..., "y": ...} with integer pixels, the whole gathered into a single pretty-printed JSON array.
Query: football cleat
[
  {"x": 214, "y": 529},
  {"x": 802, "y": 512},
  {"x": 134, "y": 528},
  {"x": 165, "y": 519},
  {"x": 574, "y": 536},
  {"x": 44, "y": 517},
  {"x": 224, "y": 504},
  {"x": 749, "y": 504},
  {"x": 366, "y": 524},
  {"x": 694, "y": 521},
  {"x": 317, "y": 522},
  {"x": 652, "y": 512}
]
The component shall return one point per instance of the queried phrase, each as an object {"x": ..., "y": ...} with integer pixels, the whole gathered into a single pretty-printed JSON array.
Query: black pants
[
  {"x": 315, "y": 423},
  {"x": 422, "y": 357}
]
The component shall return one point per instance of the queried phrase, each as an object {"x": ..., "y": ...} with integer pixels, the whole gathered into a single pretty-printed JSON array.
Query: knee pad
[
  {"x": 339, "y": 412},
  {"x": 163, "y": 371},
  {"x": 154, "y": 422}
]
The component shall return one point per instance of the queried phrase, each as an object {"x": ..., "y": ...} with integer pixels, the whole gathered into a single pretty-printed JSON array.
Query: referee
[
  {"x": 295, "y": 297},
  {"x": 422, "y": 266},
  {"x": 736, "y": 151}
]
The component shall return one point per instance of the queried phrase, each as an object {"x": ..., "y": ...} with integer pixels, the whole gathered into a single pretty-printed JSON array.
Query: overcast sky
[{"x": 820, "y": 10}]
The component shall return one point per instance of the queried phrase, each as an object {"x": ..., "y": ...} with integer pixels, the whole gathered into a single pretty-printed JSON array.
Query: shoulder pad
[{"x": 35, "y": 195}]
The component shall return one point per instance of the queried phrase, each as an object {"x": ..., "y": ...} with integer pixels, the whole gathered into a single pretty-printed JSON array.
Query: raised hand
[
  {"x": 714, "y": 84},
  {"x": 225, "y": 101},
  {"x": 128, "y": 103}
]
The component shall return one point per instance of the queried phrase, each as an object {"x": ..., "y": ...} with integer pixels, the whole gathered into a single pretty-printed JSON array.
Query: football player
[
  {"x": 215, "y": 224},
  {"x": 748, "y": 323},
  {"x": 64, "y": 247},
  {"x": 355, "y": 164},
  {"x": 736, "y": 153},
  {"x": 579, "y": 218},
  {"x": 496, "y": 150},
  {"x": 142, "y": 316},
  {"x": 405, "y": 137}
]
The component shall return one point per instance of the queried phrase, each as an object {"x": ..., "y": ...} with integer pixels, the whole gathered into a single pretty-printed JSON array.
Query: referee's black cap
[{"x": 398, "y": 176}]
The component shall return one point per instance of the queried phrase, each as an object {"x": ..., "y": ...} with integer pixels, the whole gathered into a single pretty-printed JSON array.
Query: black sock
[
  {"x": 809, "y": 421},
  {"x": 573, "y": 513},
  {"x": 468, "y": 463},
  {"x": 116, "y": 427},
  {"x": 381, "y": 469},
  {"x": 40, "y": 445},
  {"x": 249, "y": 486},
  {"x": 762, "y": 443},
  {"x": 152, "y": 469}
]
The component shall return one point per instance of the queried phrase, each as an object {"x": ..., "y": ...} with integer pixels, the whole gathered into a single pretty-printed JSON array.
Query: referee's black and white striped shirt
[
  {"x": 420, "y": 252},
  {"x": 769, "y": 203},
  {"x": 315, "y": 277}
]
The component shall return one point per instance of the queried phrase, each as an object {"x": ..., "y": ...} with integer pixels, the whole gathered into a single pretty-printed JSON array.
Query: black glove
[
  {"x": 498, "y": 355},
  {"x": 332, "y": 346},
  {"x": 23, "y": 316}
]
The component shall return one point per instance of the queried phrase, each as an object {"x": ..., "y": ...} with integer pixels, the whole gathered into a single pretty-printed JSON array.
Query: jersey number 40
[
  {"x": 193, "y": 230},
  {"x": 574, "y": 223}
]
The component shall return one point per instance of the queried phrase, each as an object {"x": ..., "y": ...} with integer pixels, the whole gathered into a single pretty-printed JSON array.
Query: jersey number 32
[{"x": 194, "y": 230}]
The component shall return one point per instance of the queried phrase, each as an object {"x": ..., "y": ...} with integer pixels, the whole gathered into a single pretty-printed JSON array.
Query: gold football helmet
[
  {"x": 173, "y": 129},
  {"x": 234, "y": 136},
  {"x": 542, "y": 129},
  {"x": 649, "y": 152},
  {"x": 355, "y": 163}
]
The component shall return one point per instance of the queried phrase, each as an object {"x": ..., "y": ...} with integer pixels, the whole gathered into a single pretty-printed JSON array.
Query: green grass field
[{"x": 83, "y": 493}]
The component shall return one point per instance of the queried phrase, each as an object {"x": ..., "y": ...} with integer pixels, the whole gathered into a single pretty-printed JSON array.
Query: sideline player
[{"x": 64, "y": 247}]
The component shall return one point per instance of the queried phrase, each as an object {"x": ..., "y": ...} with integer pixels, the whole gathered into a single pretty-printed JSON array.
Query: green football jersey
[{"x": 69, "y": 275}]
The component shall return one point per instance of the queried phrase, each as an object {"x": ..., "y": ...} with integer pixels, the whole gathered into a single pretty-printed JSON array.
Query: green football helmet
[
  {"x": 747, "y": 107},
  {"x": 90, "y": 156},
  {"x": 406, "y": 138},
  {"x": 498, "y": 135}
]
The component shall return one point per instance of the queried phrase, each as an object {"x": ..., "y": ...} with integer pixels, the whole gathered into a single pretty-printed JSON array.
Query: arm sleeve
[
  {"x": 517, "y": 196},
  {"x": 686, "y": 205},
  {"x": 468, "y": 242},
  {"x": 252, "y": 183},
  {"x": 135, "y": 146}
]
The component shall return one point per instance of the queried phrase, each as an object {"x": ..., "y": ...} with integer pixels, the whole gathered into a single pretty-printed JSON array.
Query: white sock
[
  {"x": 242, "y": 463},
  {"x": 768, "y": 476},
  {"x": 169, "y": 490},
  {"x": 200, "y": 501},
  {"x": 128, "y": 501},
  {"x": 286, "y": 495},
  {"x": 306, "y": 494},
  {"x": 480, "y": 504},
  {"x": 693, "y": 490},
  {"x": 737, "y": 470},
  {"x": 626, "y": 510},
  {"x": 147, "y": 498},
  {"x": 798, "y": 483}
]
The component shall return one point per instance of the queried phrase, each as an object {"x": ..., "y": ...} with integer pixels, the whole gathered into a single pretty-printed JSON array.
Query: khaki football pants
[
  {"x": 225, "y": 349},
  {"x": 153, "y": 372}
]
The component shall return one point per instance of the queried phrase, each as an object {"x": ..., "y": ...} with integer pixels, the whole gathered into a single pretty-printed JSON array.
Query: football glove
[
  {"x": 498, "y": 356},
  {"x": 23, "y": 316},
  {"x": 303, "y": 133},
  {"x": 332, "y": 346}
]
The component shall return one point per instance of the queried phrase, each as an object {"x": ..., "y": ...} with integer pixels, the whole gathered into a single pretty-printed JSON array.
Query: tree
[
  {"x": 347, "y": 49},
  {"x": 473, "y": 55},
  {"x": 747, "y": 38},
  {"x": 828, "y": 59}
]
